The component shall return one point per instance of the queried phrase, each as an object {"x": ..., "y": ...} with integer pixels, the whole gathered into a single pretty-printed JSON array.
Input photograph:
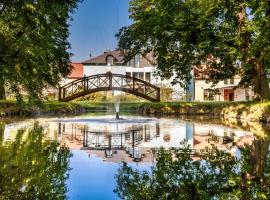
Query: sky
[{"x": 94, "y": 26}]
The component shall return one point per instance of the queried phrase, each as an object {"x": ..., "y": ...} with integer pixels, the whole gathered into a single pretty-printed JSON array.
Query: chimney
[{"x": 106, "y": 51}]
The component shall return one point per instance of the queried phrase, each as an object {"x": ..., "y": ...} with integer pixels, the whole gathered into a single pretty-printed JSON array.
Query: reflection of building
[
  {"x": 224, "y": 137},
  {"x": 132, "y": 138},
  {"x": 137, "y": 138}
]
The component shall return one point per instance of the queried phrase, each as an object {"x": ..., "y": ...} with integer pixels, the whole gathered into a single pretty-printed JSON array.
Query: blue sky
[{"x": 94, "y": 25}]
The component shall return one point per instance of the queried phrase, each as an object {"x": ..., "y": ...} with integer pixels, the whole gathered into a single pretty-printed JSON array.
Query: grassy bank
[
  {"x": 250, "y": 111},
  {"x": 247, "y": 111},
  {"x": 11, "y": 108}
]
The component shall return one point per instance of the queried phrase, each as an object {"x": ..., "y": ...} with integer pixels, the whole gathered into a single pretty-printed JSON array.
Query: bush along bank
[
  {"x": 246, "y": 111},
  {"x": 11, "y": 108}
]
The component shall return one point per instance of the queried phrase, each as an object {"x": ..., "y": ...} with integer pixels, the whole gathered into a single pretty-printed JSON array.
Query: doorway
[{"x": 228, "y": 95}]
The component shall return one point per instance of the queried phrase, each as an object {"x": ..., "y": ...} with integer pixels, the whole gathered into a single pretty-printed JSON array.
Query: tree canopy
[
  {"x": 221, "y": 38},
  {"x": 211, "y": 174},
  {"x": 33, "y": 167},
  {"x": 33, "y": 45}
]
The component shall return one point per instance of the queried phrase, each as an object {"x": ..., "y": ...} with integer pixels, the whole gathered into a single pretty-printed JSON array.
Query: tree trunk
[
  {"x": 2, "y": 130},
  {"x": 260, "y": 153},
  {"x": 2, "y": 91},
  {"x": 261, "y": 83}
]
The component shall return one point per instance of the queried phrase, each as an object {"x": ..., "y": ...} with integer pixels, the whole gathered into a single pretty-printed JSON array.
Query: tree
[
  {"x": 32, "y": 167},
  {"x": 229, "y": 37},
  {"x": 33, "y": 45},
  {"x": 215, "y": 174}
]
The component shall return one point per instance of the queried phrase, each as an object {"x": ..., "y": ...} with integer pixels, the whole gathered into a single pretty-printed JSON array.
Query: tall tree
[
  {"x": 214, "y": 174},
  {"x": 33, "y": 167},
  {"x": 229, "y": 37},
  {"x": 33, "y": 45}
]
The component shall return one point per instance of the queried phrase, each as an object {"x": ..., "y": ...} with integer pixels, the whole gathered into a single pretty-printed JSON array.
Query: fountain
[{"x": 117, "y": 106}]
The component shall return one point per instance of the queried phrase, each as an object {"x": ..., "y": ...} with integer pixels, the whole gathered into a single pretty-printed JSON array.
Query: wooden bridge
[{"x": 106, "y": 82}]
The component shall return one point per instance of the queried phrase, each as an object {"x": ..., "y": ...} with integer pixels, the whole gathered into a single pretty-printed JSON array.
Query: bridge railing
[{"x": 109, "y": 81}]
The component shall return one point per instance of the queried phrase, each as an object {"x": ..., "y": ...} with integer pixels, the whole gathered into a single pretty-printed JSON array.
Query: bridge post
[
  {"x": 110, "y": 79},
  {"x": 84, "y": 84},
  {"x": 59, "y": 94},
  {"x": 158, "y": 94},
  {"x": 64, "y": 93}
]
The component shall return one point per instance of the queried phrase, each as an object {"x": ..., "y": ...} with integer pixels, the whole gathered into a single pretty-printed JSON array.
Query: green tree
[
  {"x": 33, "y": 45},
  {"x": 215, "y": 174},
  {"x": 32, "y": 167},
  {"x": 229, "y": 37}
]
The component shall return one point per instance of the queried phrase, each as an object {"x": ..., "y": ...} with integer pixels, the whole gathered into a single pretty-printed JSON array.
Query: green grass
[{"x": 255, "y": 111}]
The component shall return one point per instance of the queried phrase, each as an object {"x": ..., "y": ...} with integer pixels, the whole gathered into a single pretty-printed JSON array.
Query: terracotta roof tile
[{"x": 77, "y": 71}]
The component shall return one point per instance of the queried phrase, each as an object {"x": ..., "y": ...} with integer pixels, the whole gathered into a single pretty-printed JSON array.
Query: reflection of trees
[
  {"x": 258, "y": 129},
  {"x": 32, "y": 167},
  {"x": 215, "y": 175}
]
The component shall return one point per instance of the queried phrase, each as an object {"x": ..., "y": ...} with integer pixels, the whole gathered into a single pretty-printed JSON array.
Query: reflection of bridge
[
  {"x": 118, "y": 140},
  {"x": 106, "y": 82}
]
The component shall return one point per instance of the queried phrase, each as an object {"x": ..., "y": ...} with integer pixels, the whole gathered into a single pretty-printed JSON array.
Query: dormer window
[
  {"x": 136, "y": 61},
  {"x": 110, "y": 60}
]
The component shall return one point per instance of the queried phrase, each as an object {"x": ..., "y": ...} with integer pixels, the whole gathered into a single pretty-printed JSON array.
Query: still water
[{"x": 99, "y": 144}]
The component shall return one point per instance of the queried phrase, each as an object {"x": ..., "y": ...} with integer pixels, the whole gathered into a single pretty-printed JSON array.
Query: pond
[{"x": 99, "y": 144}]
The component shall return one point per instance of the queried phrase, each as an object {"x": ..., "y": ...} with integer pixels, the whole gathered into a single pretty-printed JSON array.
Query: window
[
  {"x": 210, "y": 94},
  {"x": 136, "y": 61},
  {"x": 138, "y": 75},
  {"x": 110, "y": 60},
  {"x": 227, "y": 81},
  {"x": 135, "y": 74},
  {"x": 148, "y": 77},
  {"x": 131, "y": 63},
  {"x": 128, "y": 74},
  {"x": 141, "y": 75}
]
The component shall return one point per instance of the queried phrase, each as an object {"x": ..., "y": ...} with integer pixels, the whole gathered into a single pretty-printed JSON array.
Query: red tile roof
[{"x": 77, "y": 71}]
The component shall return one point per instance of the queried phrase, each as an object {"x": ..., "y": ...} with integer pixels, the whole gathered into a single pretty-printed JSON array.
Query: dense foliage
[
  {"x": 33, "y": 45},
  {"x": 214, "y": 174},
  {"x": 32, "y": 167},
  {"x": 219, "y": 38}
]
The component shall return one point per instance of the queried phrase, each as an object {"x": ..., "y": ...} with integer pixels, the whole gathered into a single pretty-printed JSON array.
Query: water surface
[{"x": 100, "y": 144}]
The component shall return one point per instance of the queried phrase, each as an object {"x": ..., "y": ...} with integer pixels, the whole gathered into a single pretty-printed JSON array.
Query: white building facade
[
  {"x": 140, "y": 67},
  {"x": 143, "y": 67}
]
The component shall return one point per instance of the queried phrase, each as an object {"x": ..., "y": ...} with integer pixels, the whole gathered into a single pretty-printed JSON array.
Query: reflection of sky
[{"x": 92, "y": 178}]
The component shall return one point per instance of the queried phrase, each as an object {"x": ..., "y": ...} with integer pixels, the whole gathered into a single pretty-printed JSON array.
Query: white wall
[
  {"x": 90, "y": 70},
  {"x": 200, "y": 85}
]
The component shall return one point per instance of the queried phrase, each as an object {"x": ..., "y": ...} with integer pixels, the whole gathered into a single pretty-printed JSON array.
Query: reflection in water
[
  {"x": 214, "y": 174},
  {"x": 32, "y": 167},
  {"x": 101, "y": 142}
]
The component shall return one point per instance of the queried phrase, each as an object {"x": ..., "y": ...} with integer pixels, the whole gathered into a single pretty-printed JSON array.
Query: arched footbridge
[{"x": 107, "y": 82}]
